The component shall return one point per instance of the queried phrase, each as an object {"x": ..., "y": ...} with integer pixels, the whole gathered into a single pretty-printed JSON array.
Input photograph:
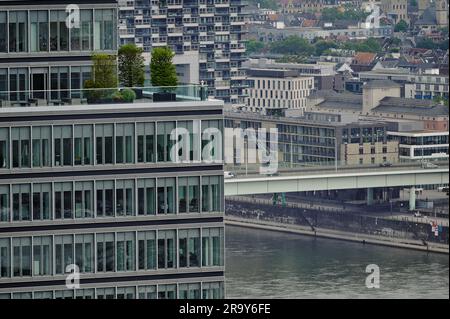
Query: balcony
[{"x": 40, "y": 98}]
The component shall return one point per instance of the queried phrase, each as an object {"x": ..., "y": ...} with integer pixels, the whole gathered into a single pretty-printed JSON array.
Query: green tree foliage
[
  {"x": 427, "y": 43},
  {"x": 131, "y": 66},
  {"x": 254, "y": 46},
  {"x": 104, "y": 71},
  {"x": 368, "y": 45},
  {"x": 322, "y": 46},
  {"x": 401, "y": 26},
  {"x": 292, "y": 45},
  {"x": 350, "y": 13},
  {"x": 163, "y": 72},
  {"x": 265, "y": 4}
]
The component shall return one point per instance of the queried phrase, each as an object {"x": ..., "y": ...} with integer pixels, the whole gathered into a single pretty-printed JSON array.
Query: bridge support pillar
[
  {"x": 412, "y": 198},
  {"x": 369, "y": 198}
]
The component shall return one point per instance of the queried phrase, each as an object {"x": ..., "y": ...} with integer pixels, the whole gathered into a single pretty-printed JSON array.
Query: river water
[{"x": 268, "y": 264}]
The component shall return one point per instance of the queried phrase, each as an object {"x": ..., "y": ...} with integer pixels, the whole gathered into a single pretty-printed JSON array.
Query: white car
[{"x": 228, "y": 174}]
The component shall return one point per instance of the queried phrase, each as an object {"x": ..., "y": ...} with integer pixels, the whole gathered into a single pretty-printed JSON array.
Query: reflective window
[
  {"x": 39, "y": 31},
  {"x": 189, "y": 247},
  {"x": 105, "y": 198},
  {"x": 3, "y": 32},
  {"x": 211, "y": 194},
  {"x": 147, "y": 292},
  {"x": 145, "y": 142},
  {"x": 125, "y": 251},
  {"x": 5, "y": 259},
  {"x": 20, "y": 146},
  {"x": 166, "y": 249},
  {"x": 167, "y": 291},
  {"x": 21, "y": 248},
  {"x": 59, "y": 33},
  {"x": 147, "y": 250},
  {"x": 104, "y": 30},
  {"x": 42, "y": 201},
  {"x": 212, "y": 247},
  {"x": 42, "y": 256},
  {"x": 84, "y": 252},
  {"x": 105, "y": 252},
  {"x": 124, "y": 197},
  {"x": 18, "y": 31},
  {"x": 62, "y": 137},
  {"x": 41, "y": 146},
  {"x": 146, "y": 196},
  {"x": 189, "y": 291},
  {"x": 124, "y": 143},
  {"x": 166, "y": 195},
  {"x": 64, "y": 294},
  {"x": 43, "y": 295},
  {"x": 106, "y": 293},
  {"x": 83, "y": 145},
  {"x": 4, "y": 203},
  {"x": 84, "y": 201},
  {"x": 21, "y": 202},
  {"x": 164, "y": 143},
  {"x": 63, "y": 200},
  {"x": 104, "y": 143},
  {"x": 63, "y": 253},
  {"x": 85, "y": 293},
  {"x": 126, "y": 293},
  {"x": 188, "y": 194},
  {"x": 4, "y": 147},
  {"x": 212, "y": 290}
]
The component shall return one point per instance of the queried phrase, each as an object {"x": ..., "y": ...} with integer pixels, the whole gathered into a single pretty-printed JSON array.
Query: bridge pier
[
  {"x": 369, "y": 198},
  {"x": 412, "y": 198}
]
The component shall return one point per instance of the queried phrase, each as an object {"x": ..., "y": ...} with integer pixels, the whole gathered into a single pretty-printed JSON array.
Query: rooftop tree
[
  {"x": 163, "y": 72},
  {"x": 131, "y": 66}
]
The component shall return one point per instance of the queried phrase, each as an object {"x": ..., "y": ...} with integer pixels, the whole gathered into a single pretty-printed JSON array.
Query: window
[
  {"x": 21, "y": 256},
  {"x": 42, "y": 201},
  {"x": 212, "y": 246},
  {"x": 4, "y": 147},
  {"x": 5, "y": 259},
  {"x": 104, "y": 30},
  {"x": 145, "y": 142},
  {"x": 85, "y": 293},
  {"x": 189, "y": 291},
  {"x": 147, "y": 292},
  {"x": 63, "y": 253},
  {"x": 18, "y": 84},
  {"x": 188, "y": 194},
  {"x": 3, "y": 32},
  {"x": 83, "y": 145},
  {"x": 18, "y": 27},
  {"x": 166, "y": 195},
  {"x": 193, "y": 147},
  {"x": 124, "y": 143},
  {"x": 164, "y": 143},
  {"x": 62, "y": 136},
  {"x": 167, "y": 291},
  {"x": 64, "y": 294},
  {"x": 42, "y": 256},
  {"x": 41, "y": 146},
  {"x": 146, "y": 197},
  {"x": 59, "y": 83},
  {"x": 87, "y": 31},
  {"x": 22, "y": 295},
  {"x": 147, "y": 250},
  {"x": 126, "y": 292},
  {"x": 43, "y": 295},
  {"x": 39, "y": 31},
  {"x": 189, "y": 247},
  {"x": 63, "y": 200},
  {"x": 84, "y": 202},
  {"x": 106, "y": 293},
  {"x": 212, "y": 290},
  {"x": 105, "y": 198},
  {"x": 4, "y": 203},
  {"x": 59, "y": 33},
  {"x": 214, "y": 126},
  {"x": 166, "y": 249},
  {"x": 104, "y": 141},
  {"x": 125, "y": 251},
  {"x": 21, "y": 202},
  {"x": 211, "y": 194},
  {"x": 20, "y": 146},
  {"x": 124, "y": 198},
  {"x": 105, "y": 252},
  {"x": 84, "y": 252}
]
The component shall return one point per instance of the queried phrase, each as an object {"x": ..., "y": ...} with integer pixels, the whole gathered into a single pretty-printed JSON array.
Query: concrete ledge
[{"x": 340, "y": 235}]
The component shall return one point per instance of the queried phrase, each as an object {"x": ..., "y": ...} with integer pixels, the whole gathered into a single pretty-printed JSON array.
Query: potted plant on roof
[
  {"x": 163, "y": 74},
  {"x": 131, "y": 70}
]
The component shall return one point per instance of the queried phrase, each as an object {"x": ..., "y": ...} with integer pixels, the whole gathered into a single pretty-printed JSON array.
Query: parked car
[{"x": 228, "y": 174}]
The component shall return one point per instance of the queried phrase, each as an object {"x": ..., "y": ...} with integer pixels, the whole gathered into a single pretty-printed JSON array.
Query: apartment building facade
[{"x": 212, "y": 28}]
